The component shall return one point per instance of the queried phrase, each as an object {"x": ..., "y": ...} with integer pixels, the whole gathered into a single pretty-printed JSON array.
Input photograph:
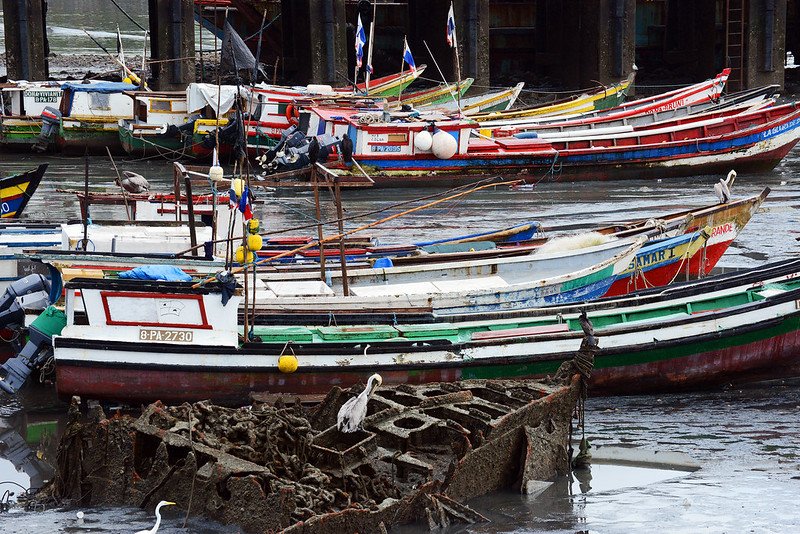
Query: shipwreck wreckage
[{"x": 421, "y": 452}]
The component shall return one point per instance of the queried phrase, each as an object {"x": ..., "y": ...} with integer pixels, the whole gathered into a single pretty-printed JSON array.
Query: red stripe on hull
[
  {"x": 765, "y": 359},
  {"x": 761, "y": 359},
  {"x": 665, "y": 275}
]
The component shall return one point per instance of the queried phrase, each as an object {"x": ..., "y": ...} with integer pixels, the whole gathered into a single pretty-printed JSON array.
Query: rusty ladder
[{"x": 735, "y": 43}]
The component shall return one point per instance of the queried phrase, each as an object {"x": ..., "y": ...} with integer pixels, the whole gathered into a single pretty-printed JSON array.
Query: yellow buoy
[
  {"x": 237, "y": 184},
  {"x": 240, "y": 257},
  {"x": 127, "y": 80},
  {"x": 254, "y": 242},
  {"x": 253, "y": 226},
  {"x": 287, "y": 363}
]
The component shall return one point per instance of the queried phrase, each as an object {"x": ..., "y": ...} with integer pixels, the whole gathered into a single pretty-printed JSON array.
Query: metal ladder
[{"x": 734, "y": 43}]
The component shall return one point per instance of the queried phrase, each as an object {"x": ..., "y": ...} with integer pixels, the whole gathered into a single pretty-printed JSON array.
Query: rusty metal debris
[{"x": 423, "y": 452}]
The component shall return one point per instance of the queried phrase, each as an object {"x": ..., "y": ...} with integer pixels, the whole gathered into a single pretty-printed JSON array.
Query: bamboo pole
[
  {"x": 337, "y": 188},
  {"x": 119, "y": 178},
  {"x": 363, "y": 227},
  {"x": 318, "y": 213}
]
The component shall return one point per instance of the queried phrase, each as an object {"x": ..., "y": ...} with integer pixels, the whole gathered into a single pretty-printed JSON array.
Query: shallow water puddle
[{"x": 609, "y": 477}]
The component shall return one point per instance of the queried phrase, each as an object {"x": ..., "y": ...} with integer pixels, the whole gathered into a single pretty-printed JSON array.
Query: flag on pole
[
  {"x": 451, "y": 27},
  {"x": 407, "y": 57},
  {"x": 361, "y": 39}
]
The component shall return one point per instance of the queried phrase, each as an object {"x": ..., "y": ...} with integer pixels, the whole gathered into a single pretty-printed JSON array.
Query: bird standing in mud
[
  {"x": 158, "y": 518},
  {"x": 723, "y": 188},
  {"x": 354, "y": 411},
  {"x": 134, "y": 183}
]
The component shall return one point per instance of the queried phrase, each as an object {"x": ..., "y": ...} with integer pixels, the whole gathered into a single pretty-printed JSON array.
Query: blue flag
[
  {"x": 407, "y": 57},
  {"x": 361, "y": 39}
]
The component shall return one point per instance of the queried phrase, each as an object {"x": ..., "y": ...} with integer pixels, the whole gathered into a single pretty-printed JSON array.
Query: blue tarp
[
  {"x": 99, "y": 87},
  {"x": 166, "y": 273}
]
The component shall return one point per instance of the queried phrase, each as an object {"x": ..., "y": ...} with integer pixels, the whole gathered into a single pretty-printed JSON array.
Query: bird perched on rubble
[
  {"x": 723, "y": 188},
  {"x": 134, "y": 183},
  {"x": 158, "y": 518},
  {"x": 353, "y": 412}
]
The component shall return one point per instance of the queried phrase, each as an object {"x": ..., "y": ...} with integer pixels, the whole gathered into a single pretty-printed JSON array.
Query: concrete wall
[
  {"x": 26, "y": 55},
  {"x": 766, "y": 43}
]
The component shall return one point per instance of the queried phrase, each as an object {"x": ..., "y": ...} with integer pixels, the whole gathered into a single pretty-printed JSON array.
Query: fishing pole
[{"x": 132, "y": 75}]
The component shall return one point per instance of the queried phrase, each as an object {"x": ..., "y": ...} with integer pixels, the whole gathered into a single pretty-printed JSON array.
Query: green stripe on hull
[
  {"x": 392, "y": 91},
  {"x": 789, "y": 324},
  {"x": 603, "y": 361},
  {"x": 584, "y": 281},
  {"x": 148, "y": 145}
]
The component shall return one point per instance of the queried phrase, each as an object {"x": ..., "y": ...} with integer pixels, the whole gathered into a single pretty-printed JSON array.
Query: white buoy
[
  {"x": 423, "y": 141},
  {"x": 215, "y": 172},
  {"x": 79, "y": 518},
  {"x": 444, "y": 145}
]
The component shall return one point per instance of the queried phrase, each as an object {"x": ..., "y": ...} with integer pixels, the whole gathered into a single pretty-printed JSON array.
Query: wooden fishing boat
[
  {"x": 751, "y": 141},
  {"x": 145, "y": 341},
  {"x": 155, "y": 128},
  {"x": 91, "y": 114},
  {"x": 612, "y": 123},
  {"x": 699, "y": 93},
  {"x": 17, "y": 190},
  {"x": 387, "y": 86},
  {"x": 20, "y": 129},
  {"x": 599, "y": 99},
  {"x": 491, "y": 101},
  {"x": 434, "y": 95}
]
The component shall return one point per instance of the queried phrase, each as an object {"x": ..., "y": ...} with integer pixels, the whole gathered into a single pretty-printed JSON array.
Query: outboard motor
[
  {"x": 37, "y": 350},
  {"x": 51, "y": 118},
  {"x": 29, "y": 293}
]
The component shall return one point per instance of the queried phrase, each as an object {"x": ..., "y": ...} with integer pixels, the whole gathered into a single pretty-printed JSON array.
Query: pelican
[
  {"x": 347, "y": 148},
  {"x": 723, "y": 188},
  {"x": 158, "y": 518},
  {"x": 354, "y": 411},
  {"x": 134, "y": 183}
]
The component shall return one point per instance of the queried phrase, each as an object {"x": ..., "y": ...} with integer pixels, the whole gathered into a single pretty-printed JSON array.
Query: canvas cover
[{"x": 200, "y": 95}]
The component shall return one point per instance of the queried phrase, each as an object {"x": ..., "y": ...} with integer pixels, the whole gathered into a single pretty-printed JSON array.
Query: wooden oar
[{"x": 361, "y": 228}]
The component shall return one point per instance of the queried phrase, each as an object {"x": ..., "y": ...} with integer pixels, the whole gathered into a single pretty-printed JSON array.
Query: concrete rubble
[{"x": 422, "y": 453}]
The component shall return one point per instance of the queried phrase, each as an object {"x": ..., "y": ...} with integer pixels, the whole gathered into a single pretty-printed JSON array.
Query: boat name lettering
[
  {"x": 155, "y": 334},
  {"x": 778, "y": 129},
  {"x": 385, "y": 148},
  {"x": 723, "y": 229},
  {"x": 5, "y": 208},
  {"x": 378, "y": 138},
  {"x": 649, "y": 259},
  {"x": 672, "y": 105},
  {"x": 45, "y": 97}
]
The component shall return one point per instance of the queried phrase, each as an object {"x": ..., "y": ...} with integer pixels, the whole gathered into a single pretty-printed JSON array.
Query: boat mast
[{"x": 371, "y": 40}]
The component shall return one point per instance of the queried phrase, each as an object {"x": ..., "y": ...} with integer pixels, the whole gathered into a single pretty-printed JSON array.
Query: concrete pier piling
[
  {"x": 26, "y": 39},
  {"x": 172, "y": 43}
]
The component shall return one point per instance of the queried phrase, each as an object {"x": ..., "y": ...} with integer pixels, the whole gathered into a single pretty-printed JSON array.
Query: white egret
[
  {"x": 158, "y": 518},
  {"x": 723, "y": 188},
  {"x": 354, "y": 411},
  {"x": 134, "y": 183}
]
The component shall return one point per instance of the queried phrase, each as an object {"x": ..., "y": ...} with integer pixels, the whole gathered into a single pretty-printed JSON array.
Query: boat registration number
[
  {"x": 175, "y": 336},
  {"x": 384, "y": 148}
]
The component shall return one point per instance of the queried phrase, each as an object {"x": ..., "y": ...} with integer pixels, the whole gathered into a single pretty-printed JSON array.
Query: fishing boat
[
  {"x": 21, "y": 107},
  {"x": 17, "y": 190},
  {"x": 692, "y": 95},
  {"x": 387, "y": 86},
  {"x": 599, "y": 99},
  {"x": 90, "y": 115},
  {"x": 157, "y": 126},
  {"x": 432, "y": 96},
  {"x": 492, "y": 101},
  {"x": 144, "y": 341},
  {"x": 439, "y": 153}
]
